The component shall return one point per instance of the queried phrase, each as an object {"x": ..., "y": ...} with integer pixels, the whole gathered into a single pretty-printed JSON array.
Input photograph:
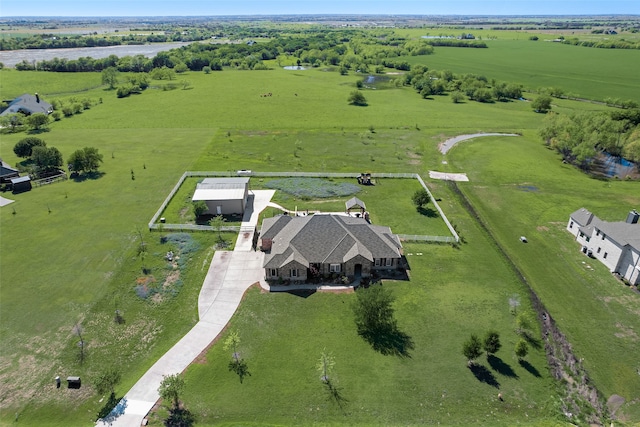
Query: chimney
[
  {"x": 633, "y": 217},
  {"x": 37, "y": 98}
]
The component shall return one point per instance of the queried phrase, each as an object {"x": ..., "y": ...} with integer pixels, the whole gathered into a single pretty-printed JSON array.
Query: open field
[
  {"x": 542, "y": 64},
  {"x": 599, "y": 314},
  {"x": 70, "y": 252}
]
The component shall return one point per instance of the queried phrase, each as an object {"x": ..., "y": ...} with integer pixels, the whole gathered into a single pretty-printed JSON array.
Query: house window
[
  {"x": 597, "y": 232},
  {"x": 273, "y": 272},
  {"x": 293, "y": 272},
  {"x": 571, "y": 224},
  {"x": 598, "y": 251},
  {"x": 605, "y": 255},
  {"x": 588, "y": 238},
  {"x": 581, "y": 234},
  {"x": 388, "y": 262},
  {"x": 378, "y": 262},
  {"x": 603, "y": 236},
  {"x": 334, "y": 268}
]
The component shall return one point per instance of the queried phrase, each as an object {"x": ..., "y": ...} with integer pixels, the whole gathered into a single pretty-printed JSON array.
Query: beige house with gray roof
[
  {"x": 615, "y": 244},
  {"x": 322, "y": 246}
]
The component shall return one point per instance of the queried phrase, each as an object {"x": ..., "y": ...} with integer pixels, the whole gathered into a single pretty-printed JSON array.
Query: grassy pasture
[
  {"x": 520, "y": 188},
  {"x": 72, "y": 262},
  {"x": 584, "y": 72}
]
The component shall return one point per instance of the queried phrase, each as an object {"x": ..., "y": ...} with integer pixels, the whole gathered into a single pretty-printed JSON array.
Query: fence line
[
  {"x": 154, "y": 226},
  {"x": 419, "y": 238},
  {"x": 192, "y": 227},
  {"x": 49, "y": 180}
]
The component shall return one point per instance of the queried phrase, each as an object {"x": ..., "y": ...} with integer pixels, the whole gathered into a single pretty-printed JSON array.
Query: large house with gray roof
[
  {"x": 298, "y": 248},
  {"x": 615, "y": 244},
  {"x": 28, "y": 104}
]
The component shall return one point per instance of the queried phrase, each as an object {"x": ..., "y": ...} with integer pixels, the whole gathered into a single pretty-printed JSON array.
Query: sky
[{"x": 10, "y": 8}]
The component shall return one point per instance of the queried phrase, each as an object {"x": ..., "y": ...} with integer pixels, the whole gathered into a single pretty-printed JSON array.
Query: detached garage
[{"x": 224, "y": 196}]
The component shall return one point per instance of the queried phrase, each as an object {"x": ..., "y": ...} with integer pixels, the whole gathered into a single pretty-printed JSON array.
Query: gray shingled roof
[
  {"x": 326, "y": 239},
  {"x": 582, "y": 216},
  {"x": 354, "y": 201},
  {"x": 29, "y": 104},
  {"x": 621, "y": 232}
]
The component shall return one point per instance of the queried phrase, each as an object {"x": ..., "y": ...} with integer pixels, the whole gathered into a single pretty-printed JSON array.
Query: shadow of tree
[
  {"x": 389, "y": 341},
  {"x": 530, "y": 368},
  {"x": 86, "y": 176},
  {"x": 180, "y": 417},
  {"x": 108, "y": 406},
  {"x": 501, "y": 367},
  {"x": 335, "y": 394},
  {"x": 428, "y": 212},
  {"x": 38, "y": 131},
  {"x": 531, "y": 340},
  {"x": 240, "y": 368},
  {"x": 483, "y": 374}
]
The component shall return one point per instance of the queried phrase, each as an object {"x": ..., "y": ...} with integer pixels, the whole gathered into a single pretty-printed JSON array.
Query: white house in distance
[
  {"x": 615, "y": 244},
  {"x": 223, "y": 196}
]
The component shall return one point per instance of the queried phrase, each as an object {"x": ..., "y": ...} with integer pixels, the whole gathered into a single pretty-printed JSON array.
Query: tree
[
  {"x": 420, "y": 198},
  {"x": 237, "y": 364},
  {"x": 542, "y": 104},
  {"x": 171, "y": 388},
  {"x": 110, "y": 77},
  {"x": 325, "y": 366},
  {"x": 107, "y": 381},
  {"x": 86, "y": 159},
  {"x": 357, "y": 98},
  {"x": 12, "y": 121},
  {"x": 472, "y": 349},
  {"x": 491, "y": 342},
  {"x": 37, "y": 121},
  {"x": 24, "y": 147},
  {"x": 457, "y": 97},
  {"x": 206, "y": 69},
  {"x": 199, "y": 208},
  {"x": 522, "y": 349},
  {"x": 217, "y": 223},
  {"x": 46, "y": 158},
  {"x": 373, "y": 311}
]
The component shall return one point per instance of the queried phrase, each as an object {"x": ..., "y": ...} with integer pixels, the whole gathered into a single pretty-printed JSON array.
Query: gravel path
[{"x": 449, "y": 143}]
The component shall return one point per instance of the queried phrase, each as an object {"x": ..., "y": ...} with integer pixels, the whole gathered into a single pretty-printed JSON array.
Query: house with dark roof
[
  {"x": 28, "y": 104},
  {"x": 7, "y": 172},
  {"x": 615, "y": 244},
  {"x": 223, "y": 196},
  {"x": 299, "y": 248}
]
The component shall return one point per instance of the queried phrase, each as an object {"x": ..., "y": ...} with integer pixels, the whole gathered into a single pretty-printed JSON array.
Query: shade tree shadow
[
  {"x": 530, "y": 368},
  {"x": 334, "y": 394},
  {"x": 81, "y": 177},
  {"x": 109, "y": 406},
  {"x": 240, "y": 367},
  {"x": 389, "y": 341},
  {"x": 428, "y": 212},
  {"x": 501, "y": 367},
  {"x": 180, "y": 417},
  {"x": 484, "y": 375}
]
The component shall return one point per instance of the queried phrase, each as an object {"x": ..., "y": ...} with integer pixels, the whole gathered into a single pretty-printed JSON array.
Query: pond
[
  {"x": 616, "y": 166},
  {"x": 12, "y": 57}
]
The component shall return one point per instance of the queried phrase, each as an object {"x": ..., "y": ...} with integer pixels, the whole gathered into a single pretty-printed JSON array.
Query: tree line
[{"x": 581, "y": 137}]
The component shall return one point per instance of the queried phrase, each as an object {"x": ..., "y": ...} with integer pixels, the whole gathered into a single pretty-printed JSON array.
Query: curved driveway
[{"x": 230, "y": 275}]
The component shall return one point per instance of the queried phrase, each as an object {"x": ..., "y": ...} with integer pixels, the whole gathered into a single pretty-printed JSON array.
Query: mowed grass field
[
  {"x": 521, "y": 188},
  {"x": 72, "y": 264}
]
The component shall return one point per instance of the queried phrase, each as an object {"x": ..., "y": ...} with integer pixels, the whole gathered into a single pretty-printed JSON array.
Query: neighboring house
[
  {"x": 615, "y": 244},
  {"x": 7, "y": 172},
  {"x": 27, "y": 105},
  {"x": 321, "y": 246},
  {"x": 223, "y": 196}
]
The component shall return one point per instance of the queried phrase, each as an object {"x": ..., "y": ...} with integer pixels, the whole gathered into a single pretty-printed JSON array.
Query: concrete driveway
[{"x": 229, "y": 276}]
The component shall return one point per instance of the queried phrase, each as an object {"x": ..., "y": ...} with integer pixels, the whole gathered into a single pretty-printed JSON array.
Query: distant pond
[{"x": 12, "y": 57}]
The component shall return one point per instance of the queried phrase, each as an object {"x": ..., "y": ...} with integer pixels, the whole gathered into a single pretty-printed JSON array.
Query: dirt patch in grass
[
  {"x": 626, "y": 332},
  {"x": 542, "y": 228}
]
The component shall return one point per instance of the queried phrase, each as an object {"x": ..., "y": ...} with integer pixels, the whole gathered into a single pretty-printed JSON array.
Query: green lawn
[
  {"x": 521, "y": 188},
  {"x": 584, "y": 72},
  {"x": 69, "y": 253}
]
